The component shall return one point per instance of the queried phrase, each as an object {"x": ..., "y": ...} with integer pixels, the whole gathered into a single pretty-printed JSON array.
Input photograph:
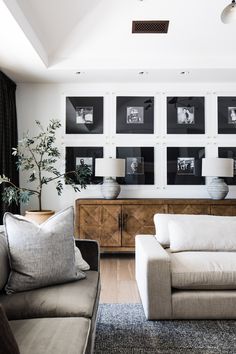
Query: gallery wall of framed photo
[{"x": 162, "y": 136}]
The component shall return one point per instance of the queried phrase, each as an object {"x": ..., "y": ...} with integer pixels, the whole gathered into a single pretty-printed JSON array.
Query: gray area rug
[{"x": 124, "y": 329}]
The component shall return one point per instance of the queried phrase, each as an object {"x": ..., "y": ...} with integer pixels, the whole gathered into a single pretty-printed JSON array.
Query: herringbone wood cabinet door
[
  {"x": 101, "y": 223},
  {"x": 138, "y": 219}
]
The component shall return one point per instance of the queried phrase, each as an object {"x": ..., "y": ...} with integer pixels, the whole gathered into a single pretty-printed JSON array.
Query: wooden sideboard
[{"x": 114, "y": 223}]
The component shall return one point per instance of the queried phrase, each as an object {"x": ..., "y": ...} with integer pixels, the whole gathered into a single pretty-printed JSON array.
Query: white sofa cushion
[
  {"x": 203, "y": 270},
  {"x": 162, "y": 230},
  {"x": 161, "y": 222},
  {"x": 203, "y": 233}
]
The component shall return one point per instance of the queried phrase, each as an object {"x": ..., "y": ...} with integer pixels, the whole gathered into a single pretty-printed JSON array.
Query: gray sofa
[{"x": 58, "y": 319}]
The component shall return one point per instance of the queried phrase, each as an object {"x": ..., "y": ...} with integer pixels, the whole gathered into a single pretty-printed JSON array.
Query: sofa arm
[
  {"x": 8, "y": 344},
  {"x": 153, "y": 276},
  {"x": 90, "y": 252}
]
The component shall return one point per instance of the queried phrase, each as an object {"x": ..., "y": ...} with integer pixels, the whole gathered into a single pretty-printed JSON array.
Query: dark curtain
[{"x": 8, "y": 137}]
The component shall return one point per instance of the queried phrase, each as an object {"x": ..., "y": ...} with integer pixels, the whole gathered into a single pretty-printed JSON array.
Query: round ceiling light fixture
[
  {"x": 229, "y": 13},
  {"x": 184, "y": 72}
]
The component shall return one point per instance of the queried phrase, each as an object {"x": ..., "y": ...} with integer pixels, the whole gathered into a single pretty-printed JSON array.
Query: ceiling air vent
[{"x": 150, "y": 26}]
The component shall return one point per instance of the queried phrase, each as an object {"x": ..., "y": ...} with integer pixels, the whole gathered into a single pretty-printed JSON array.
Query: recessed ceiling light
[{"x": 143, "y": 73}]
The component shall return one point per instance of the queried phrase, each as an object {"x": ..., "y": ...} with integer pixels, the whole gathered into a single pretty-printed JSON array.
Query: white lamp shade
[
  {"x": 217, "y": 167},
  {"x": 229, "y": 13},
  {"x": 108, "y": 167}
]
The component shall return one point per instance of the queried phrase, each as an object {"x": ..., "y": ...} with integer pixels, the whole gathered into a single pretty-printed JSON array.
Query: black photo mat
[
  {"x": 226, "y": 115},
  {"x": 184, "y": 165},
  {"x": 134, "y": 115},
  {"x": 229, "y": 153},
  {"x": 139, "y": 165},
  {"x": 84, "y": 115},
  {"x": 76, "y": 156},
  {"x": 185, "y": 115}
]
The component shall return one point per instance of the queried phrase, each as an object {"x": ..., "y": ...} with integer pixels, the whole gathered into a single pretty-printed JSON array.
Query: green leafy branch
[{"x": 37, "y": 156}]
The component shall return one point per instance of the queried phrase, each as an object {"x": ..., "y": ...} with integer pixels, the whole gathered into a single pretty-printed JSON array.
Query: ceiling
[{"x": 51, "y": 40}]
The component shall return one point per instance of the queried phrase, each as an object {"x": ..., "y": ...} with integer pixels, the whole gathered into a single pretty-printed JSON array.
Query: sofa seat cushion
[
  {"x": 52, "y": 335},
  {"x": 76, "y": 299},
  {"x": 203, "y": 270}
]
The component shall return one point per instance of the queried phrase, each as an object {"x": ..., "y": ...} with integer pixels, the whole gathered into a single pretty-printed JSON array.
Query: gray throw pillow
[
  {"x": 80, "y": 263},
  {"x": 40, "y": 255}
]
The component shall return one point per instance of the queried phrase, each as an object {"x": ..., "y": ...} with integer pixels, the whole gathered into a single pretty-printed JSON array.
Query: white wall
[{"x": 46, "y": 101}]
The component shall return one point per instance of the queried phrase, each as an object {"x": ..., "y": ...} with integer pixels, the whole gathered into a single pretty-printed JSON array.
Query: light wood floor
[{"x": 118, "y": 279}]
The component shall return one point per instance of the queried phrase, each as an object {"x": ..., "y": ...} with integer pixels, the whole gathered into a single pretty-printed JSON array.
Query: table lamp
[
  {"x": 109, "y": 168},
  {"x": 217, "y": 167}
]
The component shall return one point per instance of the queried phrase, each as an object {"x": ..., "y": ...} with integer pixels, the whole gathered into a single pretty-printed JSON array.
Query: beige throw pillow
[{"x": 80, "y": 263}]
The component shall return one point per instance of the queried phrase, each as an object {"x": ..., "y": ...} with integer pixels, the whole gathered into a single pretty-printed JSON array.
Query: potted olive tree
[{"x": 37, "y": 157}]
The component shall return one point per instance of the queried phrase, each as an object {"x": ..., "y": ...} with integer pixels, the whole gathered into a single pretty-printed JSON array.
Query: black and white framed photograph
[
  {"x": 84, "y": 115},
  {"x": 226, "y": 115},
  {"x": 232, "y": 115},
  {"x": 81, "y": 155},
  {"x": 184, "y": 165},
  {"x": 229, "y": 153},
  {"x": 134, "y": 115},
  {"x": 185, "y": 115},
  {"x": 135, "y": 165},
  {"x": 139, "y": 165},
  {"x": 80, "y": 161}
]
